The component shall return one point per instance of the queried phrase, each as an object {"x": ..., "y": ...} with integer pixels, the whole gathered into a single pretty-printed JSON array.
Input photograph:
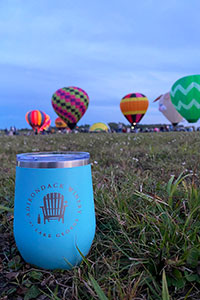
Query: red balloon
[{"x": 36, "y": 119}]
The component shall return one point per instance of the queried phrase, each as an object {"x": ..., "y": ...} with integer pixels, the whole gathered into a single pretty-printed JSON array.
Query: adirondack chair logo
[{"x": 53, "y": 208}]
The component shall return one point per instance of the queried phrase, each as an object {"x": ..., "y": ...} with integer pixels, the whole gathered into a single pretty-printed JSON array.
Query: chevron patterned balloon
[
  {"x": 185, "y": 96},
  {"x": 70, "y": 104}
]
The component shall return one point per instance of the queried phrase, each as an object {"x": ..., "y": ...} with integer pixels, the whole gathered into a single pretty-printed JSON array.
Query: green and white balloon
[{"x": 185, "y": 96}]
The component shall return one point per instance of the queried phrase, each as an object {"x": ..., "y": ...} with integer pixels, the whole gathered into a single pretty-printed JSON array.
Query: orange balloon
[
  {"x": 134, "y": 107},
  {"x": 60, "y": 123}
]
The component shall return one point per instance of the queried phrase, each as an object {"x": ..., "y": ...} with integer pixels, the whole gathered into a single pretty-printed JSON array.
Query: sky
[{"x": 109, "y": 48}]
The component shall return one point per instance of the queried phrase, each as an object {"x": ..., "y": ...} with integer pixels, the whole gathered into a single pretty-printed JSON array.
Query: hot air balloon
[
  {"x": 167, "y": 108},
  {"x": 70, "y": 104},
  {"x": 134, "y": 107},
  {"x": 185, "y": 96},
  {"x": 46, "y": 124},
  {"x": 36, "y": 119},
  {"x": 60, "y": 123},
  {"x": 97, "y": 127}
]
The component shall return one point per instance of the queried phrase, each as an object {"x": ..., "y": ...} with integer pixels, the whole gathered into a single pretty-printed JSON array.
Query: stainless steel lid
[{"x": 53, "y": 159}]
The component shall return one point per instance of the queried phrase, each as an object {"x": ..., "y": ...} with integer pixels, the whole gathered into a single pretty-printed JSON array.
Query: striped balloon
[
  {"x": 134, "y": 107},
  {"x": 70, "y": 104},
  {"x": 36, "y": 119},
  {"x": 47, "y": 123}
]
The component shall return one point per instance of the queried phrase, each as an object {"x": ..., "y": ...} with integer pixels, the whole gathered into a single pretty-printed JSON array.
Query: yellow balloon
[{"x": 97, "y": 127}]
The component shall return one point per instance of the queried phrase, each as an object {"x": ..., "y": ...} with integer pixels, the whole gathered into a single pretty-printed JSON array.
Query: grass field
[{"x": 147, "y": 201}]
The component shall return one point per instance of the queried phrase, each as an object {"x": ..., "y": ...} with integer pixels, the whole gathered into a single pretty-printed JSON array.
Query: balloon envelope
[
  {"x": 97, "y": 127},
  {"x": 46, "y": 124},
  {"x": 36, "y": 119},
  {"x": 185, "y": 96},
  {"x": 134, "y": 107},
  {"x": 60, "y": 123},
  {"x": 168, "y": 110},
  {"x": 70, "y": 104}
]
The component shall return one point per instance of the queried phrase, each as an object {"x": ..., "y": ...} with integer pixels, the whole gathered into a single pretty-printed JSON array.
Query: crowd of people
[
  {"x": 11, "y": 131},
  {"x": 121, "y": 128}
]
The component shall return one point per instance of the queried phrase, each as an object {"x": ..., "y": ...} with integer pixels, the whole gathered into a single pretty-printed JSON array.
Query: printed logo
[
  {"x": 53, "y": 208},
  {"x": 50, "y": 210}
]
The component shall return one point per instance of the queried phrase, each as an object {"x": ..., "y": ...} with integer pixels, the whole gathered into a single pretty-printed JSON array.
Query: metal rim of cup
[{"x": 55, "y": 159}]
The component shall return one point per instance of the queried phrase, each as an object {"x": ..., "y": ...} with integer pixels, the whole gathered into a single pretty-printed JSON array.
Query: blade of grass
[
  {"x": 165, "y": 292},
  {"x": 95, "y": 285},
  {"x": 169, "y": 185},
  {"x": 69, "y": 264},
  {"x": 188, "y": 293},
  {"x": 97, "y": 288},
  {"x": 172, "y": 187},
  {"x": 5, "y": 208},
  {"x": 189, "y": 217},
  {"x": 84, "y": 258}
]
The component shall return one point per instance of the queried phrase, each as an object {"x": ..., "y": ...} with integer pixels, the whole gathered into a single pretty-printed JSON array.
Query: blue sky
[{"x": 108, "y": 48}]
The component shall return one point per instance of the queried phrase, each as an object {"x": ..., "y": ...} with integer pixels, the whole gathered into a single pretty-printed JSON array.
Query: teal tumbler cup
[{"x": 54, "y": 216}]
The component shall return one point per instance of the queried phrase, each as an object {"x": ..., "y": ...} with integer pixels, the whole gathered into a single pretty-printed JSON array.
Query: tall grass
[{"x": 147, "y": 201}]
